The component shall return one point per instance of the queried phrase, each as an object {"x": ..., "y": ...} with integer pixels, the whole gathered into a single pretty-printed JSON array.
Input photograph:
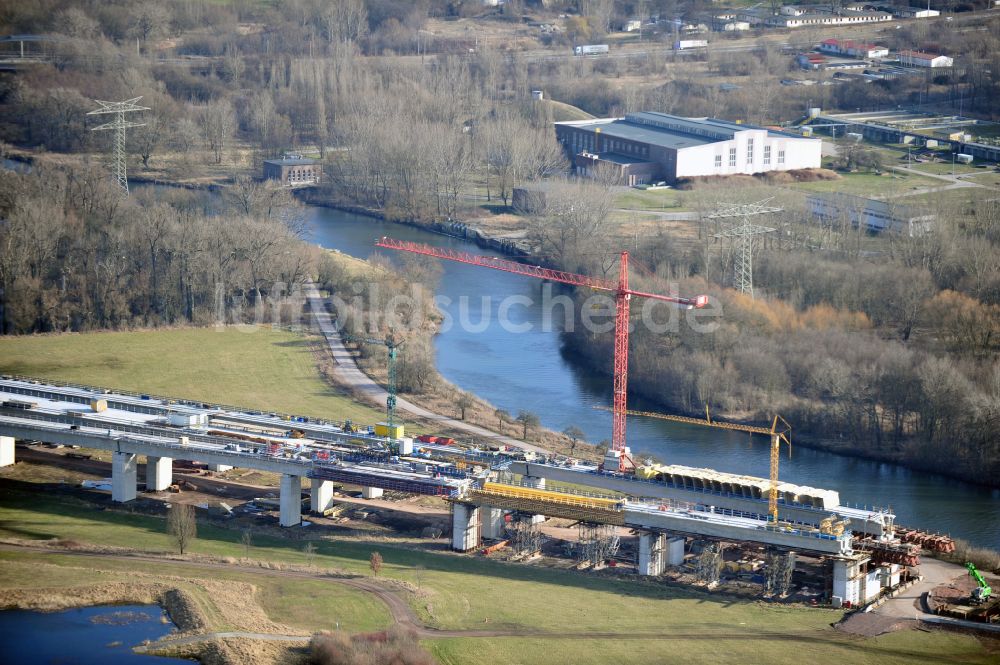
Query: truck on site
[
  {"x": 983, "y": 591},
  {"x": 590, "y": 49},
  {"x": 688, "y": 44}
]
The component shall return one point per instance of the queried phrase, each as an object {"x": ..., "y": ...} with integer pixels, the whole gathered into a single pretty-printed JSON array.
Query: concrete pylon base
[
  {"x": 652, "y": 553},
  {"x": 6, "y": 450},
  {"x": 291, "y": 500},
  {"x": 320, "y": 495},
  {"x": 219, "y": 468},
  {"x": 124, "y": 469},
  {"x": 465, "y": 528},
  {"x": 371, "y": 492},
  {"x": 493, "y": 522},
  {"x": 159, "y": 473}
]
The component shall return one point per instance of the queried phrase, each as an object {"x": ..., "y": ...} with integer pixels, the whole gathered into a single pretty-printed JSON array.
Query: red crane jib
[{"x": 622, "y": 295}]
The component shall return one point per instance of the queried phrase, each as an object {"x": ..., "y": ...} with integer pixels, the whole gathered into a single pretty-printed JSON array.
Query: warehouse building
[
  {"x": 853, "y": 49},
  {"x": 874, "y": 215},
  {"x": 924, "y": 59},
  {"x": 650, "y": 147}
]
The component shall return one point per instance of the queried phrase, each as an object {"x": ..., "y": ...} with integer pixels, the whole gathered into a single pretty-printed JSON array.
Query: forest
[{"x": 886, "y": 346}]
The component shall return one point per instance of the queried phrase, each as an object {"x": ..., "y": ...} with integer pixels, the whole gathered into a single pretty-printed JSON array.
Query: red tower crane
[{"x": 622, "y": 296}]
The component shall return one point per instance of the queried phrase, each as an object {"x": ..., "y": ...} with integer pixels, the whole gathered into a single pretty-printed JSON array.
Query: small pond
[{"x": 101, "y": 635}]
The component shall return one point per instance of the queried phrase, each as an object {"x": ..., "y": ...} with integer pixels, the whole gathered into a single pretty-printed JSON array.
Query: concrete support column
[
  {"x": 159, "y": 473},
  {"x": 219, "y": 468},
  {"x": 124, "y": 470},
  {"x": 493, "y": 522},
  {"x": 291, "y": 500},
  {"x": 371, "y": 492},
  {"x": 321, "y": 495},
  {"x": 846, "y": 585},
  {"x": 465, "y": 528},
  {"x": 675, "y": 551},
  {"x": 6, "y": 450},
  {"x": 652, "y": 553}
]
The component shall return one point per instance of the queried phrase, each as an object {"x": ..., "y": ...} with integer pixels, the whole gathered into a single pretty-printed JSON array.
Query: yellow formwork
[
  {"x": 554, "y": 504},
  {"x": 518, "y": 492}
]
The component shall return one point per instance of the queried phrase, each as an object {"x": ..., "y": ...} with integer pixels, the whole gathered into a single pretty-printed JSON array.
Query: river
[
  {"x": 529, "y": 371},
  {"x": 101, "y": 635}
]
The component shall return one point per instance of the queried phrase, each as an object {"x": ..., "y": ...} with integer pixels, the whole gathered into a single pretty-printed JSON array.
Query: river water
[
  {"x": 101, "y": 635},
  {"x": 529, "y": 371}
]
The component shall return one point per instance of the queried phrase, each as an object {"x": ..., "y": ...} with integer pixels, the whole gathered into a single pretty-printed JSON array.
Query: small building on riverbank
[{"x": 293, "y": 170}]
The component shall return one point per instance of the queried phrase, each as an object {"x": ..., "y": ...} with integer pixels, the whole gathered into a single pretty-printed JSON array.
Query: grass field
[
  {"x": 460, "y": 592},
  {"x": 265, "y": 369},
  {"x": 656, "y": 199},
  {"x": 869, "y": 184}
]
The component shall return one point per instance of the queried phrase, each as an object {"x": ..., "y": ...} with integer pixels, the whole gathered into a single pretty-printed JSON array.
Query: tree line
[{"x": 76, "y": 255}]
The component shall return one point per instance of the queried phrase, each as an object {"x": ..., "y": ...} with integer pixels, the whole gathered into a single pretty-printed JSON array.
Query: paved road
[
  {"x": 349, "y": 374},
  {"x": 906, "y": 605}
]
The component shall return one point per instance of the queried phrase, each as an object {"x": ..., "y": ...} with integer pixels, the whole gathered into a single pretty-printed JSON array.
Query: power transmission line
[
  {"x": 742, "y": 235},
  {"x": 119, "y": 124}
]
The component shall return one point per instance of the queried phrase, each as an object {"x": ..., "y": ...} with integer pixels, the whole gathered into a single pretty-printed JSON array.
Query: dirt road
[{"x": 350, "y": 375}]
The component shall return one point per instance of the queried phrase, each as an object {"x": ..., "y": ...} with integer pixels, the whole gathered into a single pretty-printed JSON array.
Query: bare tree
[
  {"x": 528, "y": 421},
  {"x": 309, "y": 549},
  {"x": 375, "y": 563},
  {"x": 218, "y": 123},
  {"x": 575, "y": 434},
  {"x": 464, "y": 401},
  {"x": 502, "y": 416},
  {"x": 182, "y": 524},
  {"x": 246, "y": 539}
]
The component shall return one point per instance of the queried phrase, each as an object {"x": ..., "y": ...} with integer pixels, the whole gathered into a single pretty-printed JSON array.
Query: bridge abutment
[
  {"x": 159, "y": 473},
  {"x": 124, "y": 472},
  {"x": 6, "y": 450},
  {"x": 291, "y": 500}
]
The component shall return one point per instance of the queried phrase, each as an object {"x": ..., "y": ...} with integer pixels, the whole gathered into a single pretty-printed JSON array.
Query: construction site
[{"x": 758, "y": 536}]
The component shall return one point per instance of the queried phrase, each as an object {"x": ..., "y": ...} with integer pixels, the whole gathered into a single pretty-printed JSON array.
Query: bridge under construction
[{"x": 486, "y": 489}]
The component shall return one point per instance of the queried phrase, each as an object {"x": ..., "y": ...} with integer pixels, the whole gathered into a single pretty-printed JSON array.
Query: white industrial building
[
  {"x": 650, "y": 146},
  {"x": 852, "y": 48},
  {"x": 875, "y": 216},
  {"x": 924, "y": 59},
  {"x": 916, "y": 12}
]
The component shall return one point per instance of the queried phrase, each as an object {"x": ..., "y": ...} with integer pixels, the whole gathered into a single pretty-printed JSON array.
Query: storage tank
[{"x": 98, "y": 405}]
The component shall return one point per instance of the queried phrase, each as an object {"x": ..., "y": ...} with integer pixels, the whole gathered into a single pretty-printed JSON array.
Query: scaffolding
[
  {"x": 709, "y": 566},
  {"x": 778, "y": 573},
  {"x": 597, "y": 544},
  {"x": 524, "y": 535}
]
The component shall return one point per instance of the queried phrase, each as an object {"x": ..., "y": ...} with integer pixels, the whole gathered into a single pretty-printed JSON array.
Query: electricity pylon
[
  {"x": 743, "y": 238},
  {"x": 119, "y": 124}
]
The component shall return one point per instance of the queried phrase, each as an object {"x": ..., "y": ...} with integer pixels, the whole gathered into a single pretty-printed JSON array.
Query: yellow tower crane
[{"x": 779, "y": 431}]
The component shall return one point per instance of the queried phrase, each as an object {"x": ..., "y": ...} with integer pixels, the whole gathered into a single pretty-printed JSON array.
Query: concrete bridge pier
[
  {"x": 124, "y": 470},
  {"x": 652, "y": 552},
  {"x": 320, "y": 495},
  {"x": 371, "y": 492},
  {"x": 6, "y": 450},
  {"x": 159, "y": 473},
  {"x": 219, "y": 468},
  {"x": 291, "y": 500},
  {"x": 465, "y": 526},
  {"x": 493, "y": 522}
]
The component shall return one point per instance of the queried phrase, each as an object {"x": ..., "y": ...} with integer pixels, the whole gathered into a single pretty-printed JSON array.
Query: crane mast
[{"x": 623, "y": 294}]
